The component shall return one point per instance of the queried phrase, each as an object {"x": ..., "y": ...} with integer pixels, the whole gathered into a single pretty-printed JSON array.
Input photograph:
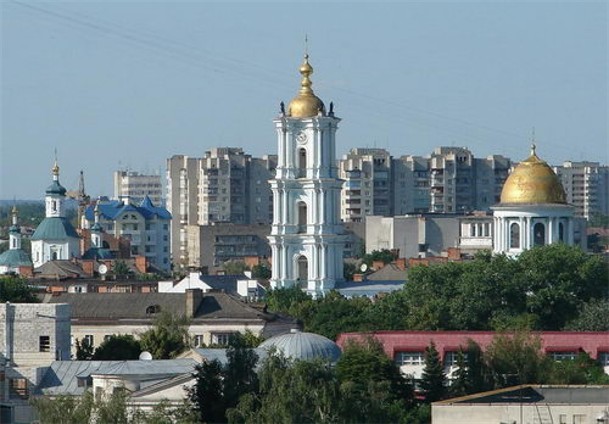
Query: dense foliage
[
  {"x": 547, "y": 288},
  {"x": 16, "y": 290},
  {"x": 168, "y": 336},
  {"x": 118, "y": 347}
]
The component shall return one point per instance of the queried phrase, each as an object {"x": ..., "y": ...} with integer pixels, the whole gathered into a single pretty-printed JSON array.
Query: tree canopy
[
  {"x": 16, "y": 290},
  {"x": 168, "y": 336}
]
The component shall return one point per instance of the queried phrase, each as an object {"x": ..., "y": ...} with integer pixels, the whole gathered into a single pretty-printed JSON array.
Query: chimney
[{"x": 194, "y": 297}]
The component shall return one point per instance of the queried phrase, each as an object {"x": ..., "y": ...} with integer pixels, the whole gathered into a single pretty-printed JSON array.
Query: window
[
  {"x": 603, "y": 358},
  {"x": 579, "y": 418},
  {"x": 539, "y": 234},
  {"x": 88, "y": 339},
  {"x": 514, "y": 236},
  {"x": 198, "y": 340},
  {"x": 409, "y": 358},
  {"x": 450, "y": 358},
  {"x": 18, "y": 388},
  {"x": 561, "y": 231},
  {"x": 562, "y": 419},
  {"x": 220, "y": 338},
  {"x": 563, "y": 356},
  {"x": 44, "y": 343}
]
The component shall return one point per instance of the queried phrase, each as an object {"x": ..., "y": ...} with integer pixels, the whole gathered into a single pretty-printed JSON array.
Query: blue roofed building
[
  {"x": 15, "y": 260},
  {"x": 146, "y": 226},
  {"x": 55, "y": 238}
]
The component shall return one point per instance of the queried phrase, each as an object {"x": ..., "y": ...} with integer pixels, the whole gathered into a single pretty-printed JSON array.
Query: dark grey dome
[{"x": 301, "y": 345}]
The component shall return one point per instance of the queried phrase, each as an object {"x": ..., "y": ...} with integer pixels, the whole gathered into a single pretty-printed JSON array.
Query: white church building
[
  {"x": 55, "y": 238},
  {"x": 306, "y": 239},
  {"x": 533, "y": 210}
]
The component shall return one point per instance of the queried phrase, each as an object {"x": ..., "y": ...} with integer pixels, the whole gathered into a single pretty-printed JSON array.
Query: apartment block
[
  {"x": 131, "y": 186},
  {"x": 368, "y": 184},
  {"x": 586, "y": 185},
  {"x": 226, "y": 185}
]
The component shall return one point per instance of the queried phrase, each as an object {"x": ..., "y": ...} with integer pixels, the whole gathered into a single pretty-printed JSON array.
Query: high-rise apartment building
[
  {"x": 450, "y": 180},
  {"x": 226, "y": 185},
  {"x": 586, "y": 186},
  {"x": 131, "y": 186},
  {"x": 182, "y": 203},
  {"x": 368, "y": 184},
  {"x": 411, "y": 185}
]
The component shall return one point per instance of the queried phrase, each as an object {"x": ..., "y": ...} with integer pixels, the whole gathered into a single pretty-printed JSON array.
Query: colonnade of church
[{"x": 517, "y": 233}]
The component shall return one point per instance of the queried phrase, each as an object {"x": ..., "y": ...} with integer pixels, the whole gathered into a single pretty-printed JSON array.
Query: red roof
[{"x": 447, "y": 341}]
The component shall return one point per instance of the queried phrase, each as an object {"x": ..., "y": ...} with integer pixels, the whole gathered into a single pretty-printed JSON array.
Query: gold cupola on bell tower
[{"x": 306, "y": 104}]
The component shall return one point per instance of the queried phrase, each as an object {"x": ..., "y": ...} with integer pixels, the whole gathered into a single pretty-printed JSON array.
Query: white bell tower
[{"x": 306, "y": 238}]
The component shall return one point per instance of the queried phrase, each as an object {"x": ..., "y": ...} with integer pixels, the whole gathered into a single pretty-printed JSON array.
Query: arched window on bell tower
[
  {"x": 302, "y": 217},
  {"x": 303, "y": 269},
  {"x": 302, "y": 162},
  {"x": 539, "y": 234},
  {"x": 514, "y": 236}
]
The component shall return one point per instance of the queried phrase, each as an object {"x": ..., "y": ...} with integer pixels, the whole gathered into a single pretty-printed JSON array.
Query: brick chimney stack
[{"x": 194, "y": 297}]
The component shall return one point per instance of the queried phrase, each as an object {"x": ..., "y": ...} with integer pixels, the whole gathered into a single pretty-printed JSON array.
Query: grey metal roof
[
  {"x": 59, "y": 269},
  {"x": 302, "y": 345},
  {"x": 546, "y": 394},
  {"x": 62, "y": 376},
  {"x": 104, "y": 306},
  {"x": 56, "y": 228},
  {"x": 367, "y": 288},
  {"x": 15, "y": 258}
]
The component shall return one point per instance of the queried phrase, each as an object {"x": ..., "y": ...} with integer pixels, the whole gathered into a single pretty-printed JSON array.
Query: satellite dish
[
  {"x": 103, "y": 269},
  {"x": 363, "y": 268},
  {"x": 145, "y": 356}
]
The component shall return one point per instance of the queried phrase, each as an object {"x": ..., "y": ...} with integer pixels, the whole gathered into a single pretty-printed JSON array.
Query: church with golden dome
[
  {"x": 306, "y": 239},
  {"x": 533, "y": 210}
]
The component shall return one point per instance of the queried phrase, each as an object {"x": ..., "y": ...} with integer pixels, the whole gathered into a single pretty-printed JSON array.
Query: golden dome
[
  {"x": 533, "y": 181},
  {"x": 306, "y": 104}
]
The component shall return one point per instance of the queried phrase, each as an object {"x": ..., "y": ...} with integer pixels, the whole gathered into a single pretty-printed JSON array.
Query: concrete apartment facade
[
  {"x": 586, "y": 186},
  {"x": 131, "y": 186}
]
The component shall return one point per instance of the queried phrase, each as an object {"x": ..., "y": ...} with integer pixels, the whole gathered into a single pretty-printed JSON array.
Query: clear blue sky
[{"x": 116, "y": 85}]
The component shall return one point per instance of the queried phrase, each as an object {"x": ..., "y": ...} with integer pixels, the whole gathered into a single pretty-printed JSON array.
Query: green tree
[
  {"x": 385, "y": 256},
  {"x": 118, "y": 347},
  {"x": 240, "y": 373},
  {"x": 261, "y": 271},
  {"x": 593, "y": 316},
  {"x": 84, "y": 350},
  {"x": 559, "y": 278},
  {"x": 121, "y": 269},
  {"x": 460, "y": 385},
  {"x": 285, "y": 299},
  {"x": 168, "y": 336},
  {"x": 206, "y": 395},
  {"x": 64, "y": 409},
  {"x": 433, "y": 380},
  {"x": 113, "y": 409},
  {"x": 366, "y": 361},
  {"x": 218, "y": 387},
  {"x": 234, "y": 267},
  {"x": 516, "y": 359},
  {"x": 16, "y": 290},
  {"x": 581, "y": 370}
]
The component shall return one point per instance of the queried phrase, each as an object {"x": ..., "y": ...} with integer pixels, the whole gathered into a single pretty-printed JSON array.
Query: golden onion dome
[
  {"x": 533, "y": 181},
  {"x": 306, "y": 104}
]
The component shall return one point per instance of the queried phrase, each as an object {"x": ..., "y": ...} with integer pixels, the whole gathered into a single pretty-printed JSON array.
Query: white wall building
[
  {"x": 533, "y": 210},
  {"x": 55, "y": 238},
  {"x": 306, "y": 236}
]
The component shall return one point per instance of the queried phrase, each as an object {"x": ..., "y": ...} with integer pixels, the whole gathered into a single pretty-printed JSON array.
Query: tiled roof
[
  {"x": 56, "y": 228},
  {"x": 15, "y": 258},
  {"x": 389, "y": 272}
]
